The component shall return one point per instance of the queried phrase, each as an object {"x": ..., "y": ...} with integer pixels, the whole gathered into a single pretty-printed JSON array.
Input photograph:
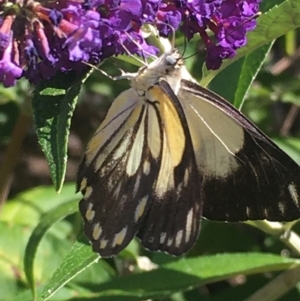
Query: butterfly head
[{"x": 169, "y": 66}]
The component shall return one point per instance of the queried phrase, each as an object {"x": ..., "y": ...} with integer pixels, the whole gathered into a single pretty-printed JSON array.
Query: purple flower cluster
[{"x": 37, "y": 39}]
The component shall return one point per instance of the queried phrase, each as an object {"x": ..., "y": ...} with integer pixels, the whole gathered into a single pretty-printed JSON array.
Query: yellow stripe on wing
[{"x": 175, "y": 137}]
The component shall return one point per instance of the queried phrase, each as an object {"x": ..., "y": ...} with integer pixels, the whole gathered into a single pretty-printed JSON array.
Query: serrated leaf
[
  {"x": 53, "y": 105},
  {"x": 79, "y": 258}
]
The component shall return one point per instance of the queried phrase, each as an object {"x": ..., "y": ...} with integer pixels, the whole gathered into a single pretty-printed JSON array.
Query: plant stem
[
  {"x": 278, "y": 286},
  {"x": 281, "y": 231}
]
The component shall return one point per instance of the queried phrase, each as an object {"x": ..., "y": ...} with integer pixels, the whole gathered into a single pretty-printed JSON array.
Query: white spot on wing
[
  {"x": 119, "y": 237},
  {"x": 179, "y": 188},
  {"x": 189, "y": 224},
  {"x": 281, "y": 207},
  {"x": 97, "y": 230},
  {"x": 103, "y": 243},
  {"x": 248, "y": 210},
  {"x": 89, "y": 214},
  {"x": 178, "y": 239},
  {"x": 170, "y": 241},
  {"x": 136, "y": 185},
  {"x": 83, "y": 184},
  {"x": 186, "y": 177},
  {"x": 163, "y": 236},
  {"x": 140, "y": 208},
  {"x": 88, "y": 192},
  {"x": 294, "y": 195},
  {"x": 146, "y": 168}
]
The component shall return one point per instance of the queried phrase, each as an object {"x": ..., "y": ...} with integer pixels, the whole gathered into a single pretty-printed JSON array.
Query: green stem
[
  {"x": 281, "y": 231},
  {"x": 278, "y": 286}
]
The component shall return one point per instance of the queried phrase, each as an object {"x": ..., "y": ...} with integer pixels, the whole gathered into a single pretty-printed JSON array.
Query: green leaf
[
  {"x": 64, "y": 294},
  {"x": 13, "y": 239},
  {"x": 234, "y": 82},
  {"x": 186, "y": 274},
  {"x": 182, "y": 275},
  {"x": 270, "y": 26},
  {"x": 226, "y": 82},
  {"x": 290, "y": 145},
  {"x": 252, "y": 64},
  {"x": 28, "y": 207},
  {"x": 17, "y": 219},
  {"x": 53, "y": 105},
  {"x": 79, "y": 258},
  {"x": 38, "y": 233}
]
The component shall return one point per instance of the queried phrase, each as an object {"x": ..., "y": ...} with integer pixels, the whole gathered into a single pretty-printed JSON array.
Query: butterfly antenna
[
  {"x": 184, "y": 48},
  {"x": 123, "y": 75}
]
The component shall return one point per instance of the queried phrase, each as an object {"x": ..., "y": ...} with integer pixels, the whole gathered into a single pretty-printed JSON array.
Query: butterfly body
[{"x": 169, "y": 152}]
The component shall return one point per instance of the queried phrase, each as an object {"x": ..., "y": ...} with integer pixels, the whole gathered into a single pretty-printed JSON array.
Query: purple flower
[
  {"x": 229, "y": 20},
  {"x": 37, "y": 40},
  {"x": 168, "y": 17},
  {"x": 216, "y": 54},
  {"x": 9, "y": 71}
]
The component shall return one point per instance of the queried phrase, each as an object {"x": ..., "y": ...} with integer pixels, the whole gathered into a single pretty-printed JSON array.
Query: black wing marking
[
  {"x": 261, "y": 182},
  {"x": 116, "y": 178},
  {"x": 172, "y": 222}
]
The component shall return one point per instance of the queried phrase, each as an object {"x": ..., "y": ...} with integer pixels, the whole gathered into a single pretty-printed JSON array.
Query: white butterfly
[{"x": 169, "y": 152}]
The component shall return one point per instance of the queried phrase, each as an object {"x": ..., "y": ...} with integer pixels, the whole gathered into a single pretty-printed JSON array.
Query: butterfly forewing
[
  {"x": 246, "y": 176},
  {"x": 119, "y": 176},
  {"x": 173, "y": 220}
]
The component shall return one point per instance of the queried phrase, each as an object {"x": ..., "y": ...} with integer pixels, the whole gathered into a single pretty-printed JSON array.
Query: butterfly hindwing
[
  {"x": 246, "y": 176},
  {"x": 173, "y": 219}
]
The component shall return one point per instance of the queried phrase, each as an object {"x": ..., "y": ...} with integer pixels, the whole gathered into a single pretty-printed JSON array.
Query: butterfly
[{"x": 170, "y": 152}]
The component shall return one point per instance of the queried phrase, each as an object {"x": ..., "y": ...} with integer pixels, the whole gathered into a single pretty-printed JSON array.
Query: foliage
[{"x": 43, "y": 254}]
